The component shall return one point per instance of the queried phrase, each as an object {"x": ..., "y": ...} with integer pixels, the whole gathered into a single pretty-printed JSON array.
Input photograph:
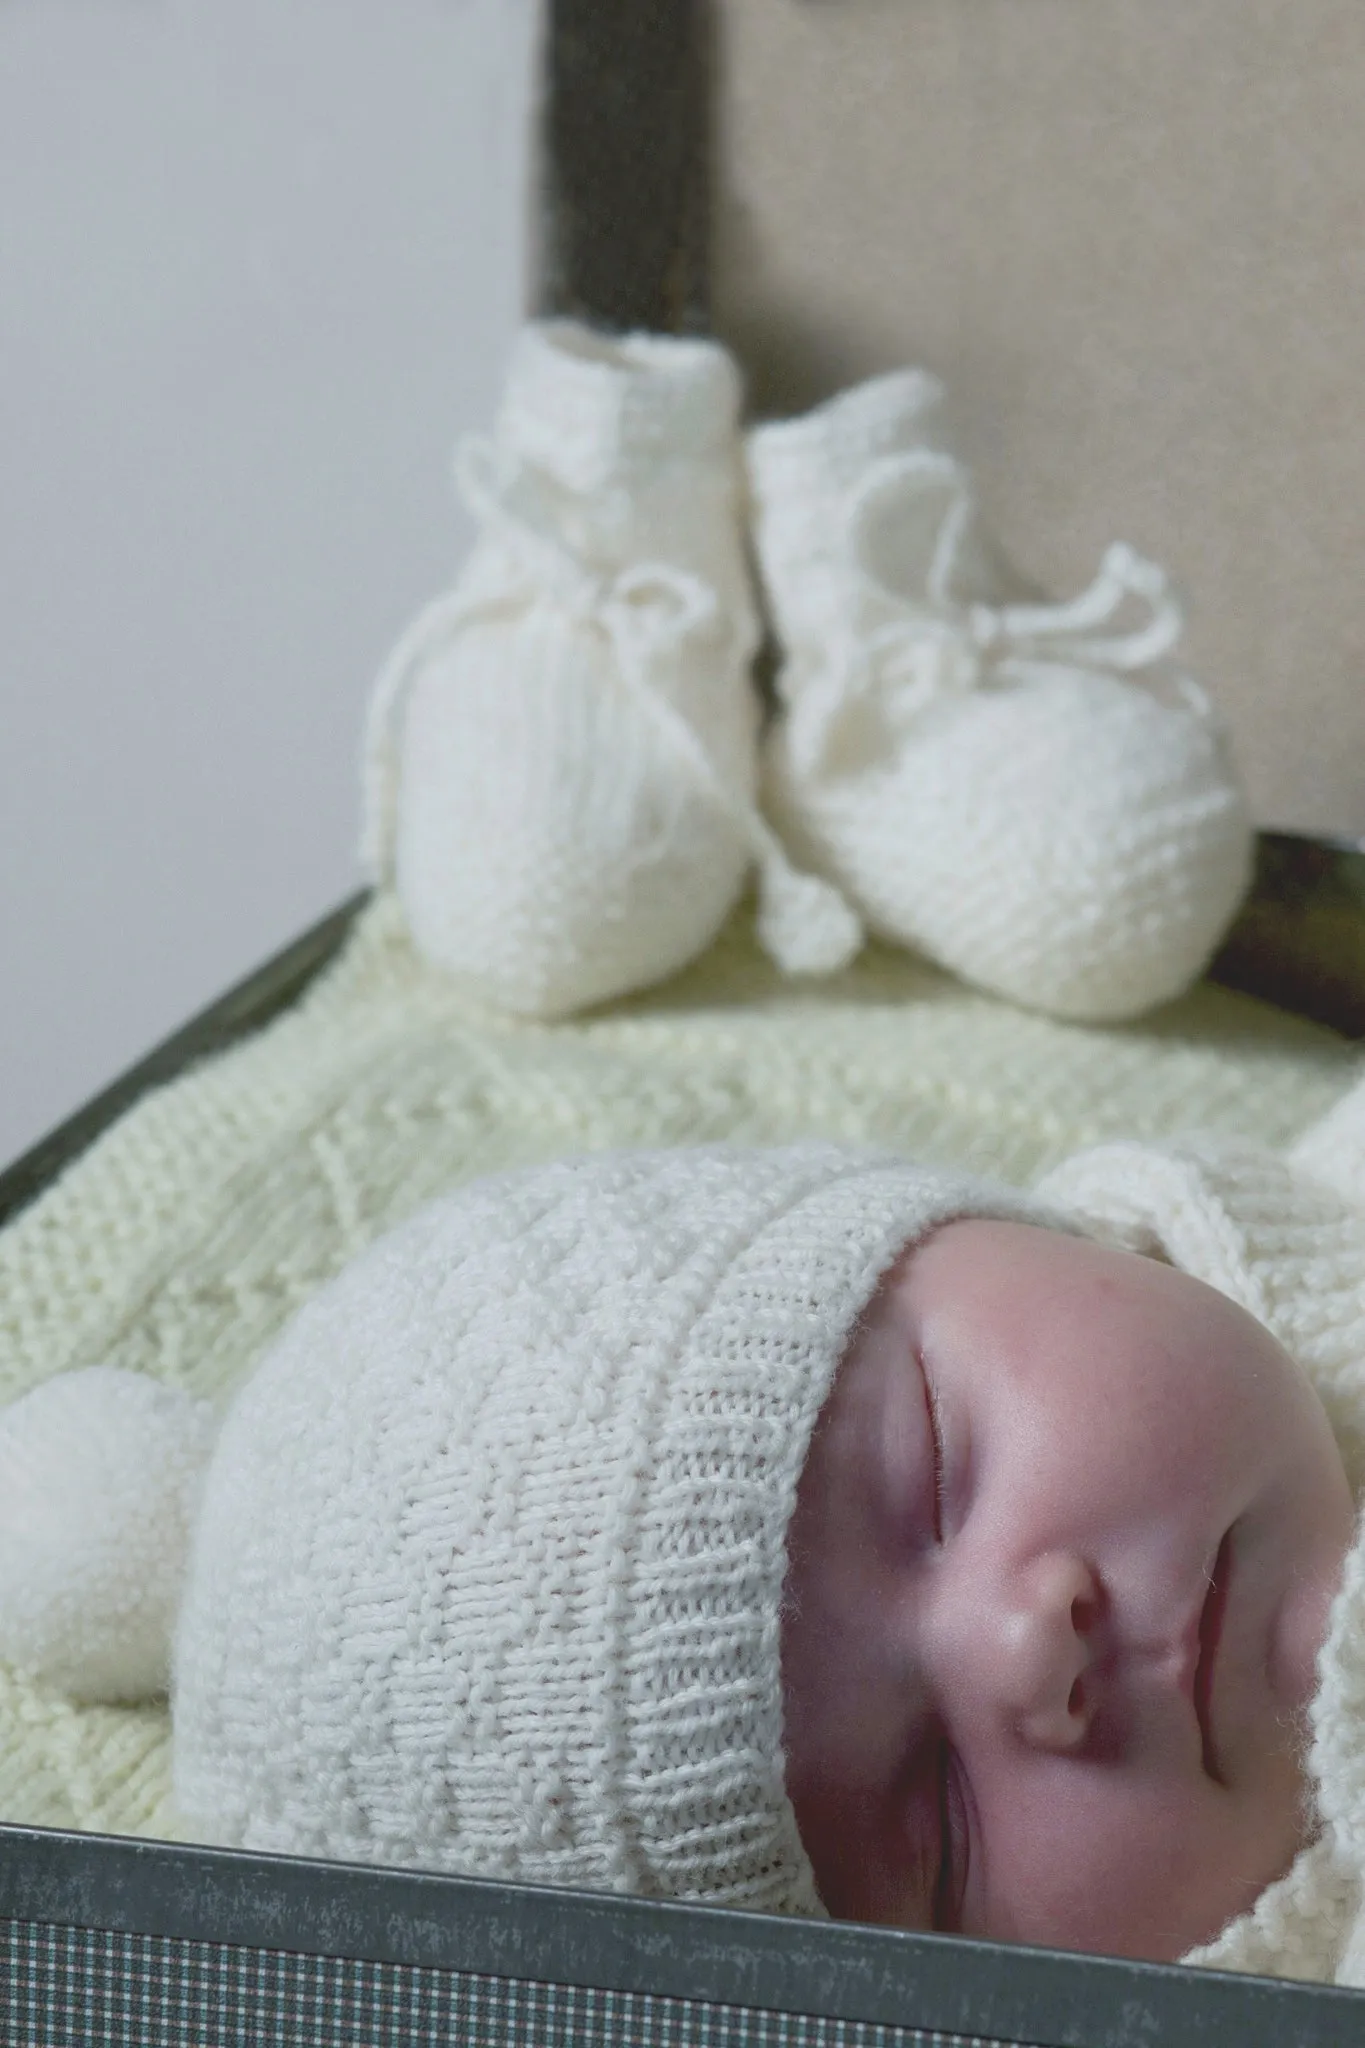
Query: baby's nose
[{"x": 1039, "y": 1651}]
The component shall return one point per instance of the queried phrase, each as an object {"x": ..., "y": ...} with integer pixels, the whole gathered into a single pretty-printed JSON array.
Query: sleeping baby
[{"x": 798, "y": 1529}]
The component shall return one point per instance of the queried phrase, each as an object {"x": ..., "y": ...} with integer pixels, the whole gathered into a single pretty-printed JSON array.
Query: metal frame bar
[
  {"x": 246, "y": 1007},
  {"x": 934, "y": 1982}
]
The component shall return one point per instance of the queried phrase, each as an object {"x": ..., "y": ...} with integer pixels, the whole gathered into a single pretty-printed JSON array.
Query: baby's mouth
[{"x": 1210, "y": 1629}]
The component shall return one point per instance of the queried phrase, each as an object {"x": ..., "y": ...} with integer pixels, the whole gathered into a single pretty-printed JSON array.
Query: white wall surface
[{"x": 259, "y": 264}]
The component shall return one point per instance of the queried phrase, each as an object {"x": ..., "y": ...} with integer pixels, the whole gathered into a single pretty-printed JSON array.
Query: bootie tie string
[
  {"x": 1019, "y": 637},
  {"x": 649, "y": 612},
  {"x": 936, "y": 646}
]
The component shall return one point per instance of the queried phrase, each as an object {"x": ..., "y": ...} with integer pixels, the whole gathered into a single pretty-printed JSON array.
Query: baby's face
[{"x": 1060, "y": 1566}]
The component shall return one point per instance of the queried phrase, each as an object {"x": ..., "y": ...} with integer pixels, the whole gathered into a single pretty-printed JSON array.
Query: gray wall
[{"x": 259, "y": 264}]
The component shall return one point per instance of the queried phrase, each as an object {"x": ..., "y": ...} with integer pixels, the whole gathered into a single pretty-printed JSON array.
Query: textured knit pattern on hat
[
  {"x": 489, "y": 1570},
  {"x": 1030, "y": 794},
  {"x": 1287, "y": 1244},
  {"x": 561, "y": 766}
]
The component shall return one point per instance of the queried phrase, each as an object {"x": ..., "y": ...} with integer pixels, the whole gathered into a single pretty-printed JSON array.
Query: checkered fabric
[{"x": 65, "y": 1987}]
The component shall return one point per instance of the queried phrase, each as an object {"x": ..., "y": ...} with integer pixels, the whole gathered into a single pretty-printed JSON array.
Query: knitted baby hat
[
  {"x": 488, "y": 1570},
  {"x": 487, "y": 1560}
]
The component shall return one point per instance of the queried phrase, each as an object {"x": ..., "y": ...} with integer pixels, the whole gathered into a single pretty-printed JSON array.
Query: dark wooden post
[{"x": 624, "y": 146}]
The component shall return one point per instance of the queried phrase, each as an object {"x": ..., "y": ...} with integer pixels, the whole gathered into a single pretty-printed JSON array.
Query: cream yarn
[
  {"x": 1029, "y": 794},
  {"x": 561, "y": 760}
]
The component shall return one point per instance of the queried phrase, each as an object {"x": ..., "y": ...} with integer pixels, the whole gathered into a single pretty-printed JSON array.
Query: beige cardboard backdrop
[{"x": 1131, "y": 234}]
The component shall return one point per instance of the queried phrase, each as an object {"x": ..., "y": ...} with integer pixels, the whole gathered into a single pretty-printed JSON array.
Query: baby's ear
[{"x": 100, "y": 1473}]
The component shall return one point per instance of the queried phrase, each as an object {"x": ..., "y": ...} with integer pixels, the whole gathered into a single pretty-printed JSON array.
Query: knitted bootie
[
  {"x": 1029, "y": 794},
  {"x": 561, "y": 755}
]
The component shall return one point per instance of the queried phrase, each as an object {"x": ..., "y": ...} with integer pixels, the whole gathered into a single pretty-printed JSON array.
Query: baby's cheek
[{"x": 1087, "y": 1859}]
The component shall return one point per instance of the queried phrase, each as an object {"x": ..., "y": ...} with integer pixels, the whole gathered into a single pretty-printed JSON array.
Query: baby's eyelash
[
  {"x": 954, "y": 1847},
  {"x": 936, "y": 1438}
]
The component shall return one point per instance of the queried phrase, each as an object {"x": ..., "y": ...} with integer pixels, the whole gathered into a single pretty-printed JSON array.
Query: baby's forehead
[{"x": 988, "y": 1249}]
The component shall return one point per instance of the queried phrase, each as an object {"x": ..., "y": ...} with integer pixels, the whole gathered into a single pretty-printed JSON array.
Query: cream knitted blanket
[{"x": 188, "y": 1234}]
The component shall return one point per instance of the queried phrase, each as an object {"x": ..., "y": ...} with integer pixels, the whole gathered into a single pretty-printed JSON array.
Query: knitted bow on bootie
[
  {"x": 561, "y": 761},
  {"x": 1030, "y": 794}
]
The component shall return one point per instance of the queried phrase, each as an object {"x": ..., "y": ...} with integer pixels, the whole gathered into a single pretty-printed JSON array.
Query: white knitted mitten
[
  {"x": 561, "y": 756},
  {"x": 1030, "y": 794}
]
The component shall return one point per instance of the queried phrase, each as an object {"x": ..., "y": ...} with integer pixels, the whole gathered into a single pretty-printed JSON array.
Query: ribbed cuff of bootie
[
  {"x": 592, "y": 408},
  {"x": 831, "y": 447}
]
